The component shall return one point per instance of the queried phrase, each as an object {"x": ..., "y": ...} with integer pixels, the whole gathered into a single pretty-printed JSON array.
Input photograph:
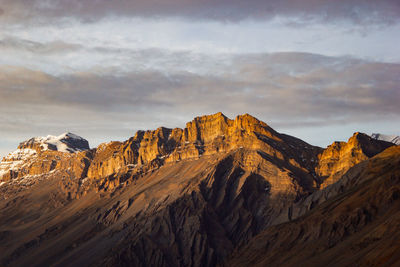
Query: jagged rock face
[
  {"x": 204, "y": 135},
  {"x": 339, "y": 157}
]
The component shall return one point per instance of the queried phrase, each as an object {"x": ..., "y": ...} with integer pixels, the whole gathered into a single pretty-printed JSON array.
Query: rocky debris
[{"x": 339, "y": 157}]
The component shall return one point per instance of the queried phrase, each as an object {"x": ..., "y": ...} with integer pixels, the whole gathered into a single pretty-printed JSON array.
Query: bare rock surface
[{"x": 341, "y": 156}]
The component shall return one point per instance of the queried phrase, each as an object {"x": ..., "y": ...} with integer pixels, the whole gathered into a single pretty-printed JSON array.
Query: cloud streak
[
  {"x": 55, "y": 47},
  {"x": 367, "y": 11}
]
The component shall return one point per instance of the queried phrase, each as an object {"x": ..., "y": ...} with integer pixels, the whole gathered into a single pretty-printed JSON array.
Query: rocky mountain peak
[
  {"x": 26, "y": 160},
  {"x": 66, "y": 142},
  {"x": 339, "y": 157},
  {"x": 204, "y": 135}
]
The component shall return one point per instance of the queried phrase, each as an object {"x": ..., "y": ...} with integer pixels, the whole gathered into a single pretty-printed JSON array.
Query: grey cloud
[
  {"x": 17, "y": 44},
  {"x": 66, "y": 57},
  {"x": 306, "y": 11},
  {"x": 272, "y": 85}
]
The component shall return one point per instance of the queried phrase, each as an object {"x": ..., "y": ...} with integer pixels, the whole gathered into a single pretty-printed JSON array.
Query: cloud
[
  {"x": 54, "y": 47},
  {"x": 277, "y": 87},
  {"x": 368, "y": 11}
]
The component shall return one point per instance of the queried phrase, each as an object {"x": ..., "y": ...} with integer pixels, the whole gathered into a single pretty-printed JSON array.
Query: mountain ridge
[
  {"x": 169, "y": 197},
  {"x": 395, "y": 139}
]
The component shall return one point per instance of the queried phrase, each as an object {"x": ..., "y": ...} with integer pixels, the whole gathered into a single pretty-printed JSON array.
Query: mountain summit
[
  {"x": 15, "y": 162},
  {"x": 66, "y": 142},
  {"x": 172, "y": 197}
]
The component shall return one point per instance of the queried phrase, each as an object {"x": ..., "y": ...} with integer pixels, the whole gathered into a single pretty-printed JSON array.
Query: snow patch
[
  {"x": 58, "y": 142},
  {"x": 15, "y": 160},
  {"x": 20, "y": 154},
  {"x": 388, "y": 138}
]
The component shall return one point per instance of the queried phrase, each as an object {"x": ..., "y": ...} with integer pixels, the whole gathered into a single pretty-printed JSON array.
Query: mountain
[
  {"x": 172, "y": 197},
  {"x": 21, "y": 161},
  {"x": 388, "y": 138},
  {"x": 357, "y": 227},
  {"x": 66, "y": 142},
  {"x": 341, "y": 156}
]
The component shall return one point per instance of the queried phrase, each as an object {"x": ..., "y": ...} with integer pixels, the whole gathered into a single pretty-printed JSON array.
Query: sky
[{"x": 317, "y": 70}]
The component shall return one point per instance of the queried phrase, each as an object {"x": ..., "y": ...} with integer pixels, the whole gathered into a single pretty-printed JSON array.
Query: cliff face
[
  {"x": 166, "y": 197},
  {"x": 339, "y": 157},
  {"x": 204, "y": 135}
]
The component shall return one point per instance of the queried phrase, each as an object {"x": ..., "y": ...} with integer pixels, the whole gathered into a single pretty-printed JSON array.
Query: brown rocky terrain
[
  {"x": 167, "y": 197},
  {"x": 357, "y": 227}
]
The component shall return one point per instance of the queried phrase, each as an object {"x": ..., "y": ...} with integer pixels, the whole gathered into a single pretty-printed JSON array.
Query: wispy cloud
[
  {"x": 10, "y": 43},
  {"x": 385, "y": 11}
]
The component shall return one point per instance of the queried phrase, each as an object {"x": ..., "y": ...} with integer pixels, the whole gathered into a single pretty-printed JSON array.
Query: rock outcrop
[{"x": 339, "y": 157}]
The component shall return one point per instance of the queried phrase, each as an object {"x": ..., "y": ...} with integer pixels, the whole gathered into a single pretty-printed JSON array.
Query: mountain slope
[{"x": 358, "y": 227}]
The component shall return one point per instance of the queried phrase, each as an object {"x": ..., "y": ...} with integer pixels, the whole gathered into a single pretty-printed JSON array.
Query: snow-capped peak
[
  {"x": 66, "y": 142},
  {"x": 388, "y": 138}
]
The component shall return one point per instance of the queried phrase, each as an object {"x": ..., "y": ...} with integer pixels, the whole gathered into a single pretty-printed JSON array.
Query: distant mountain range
[
  {"x": 395, "y": 139},
  {"x": 220, "y": 192}
]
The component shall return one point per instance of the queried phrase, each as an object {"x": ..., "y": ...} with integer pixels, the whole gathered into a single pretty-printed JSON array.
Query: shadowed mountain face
[
  {"x": 359, "y": 226},
  {"x": 170, "y": 197}
]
